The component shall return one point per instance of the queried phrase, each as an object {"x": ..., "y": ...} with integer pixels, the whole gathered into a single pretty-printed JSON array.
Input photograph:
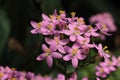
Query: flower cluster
[
  {"x": 69, "y": 38},
  {"x": 7, "y": 73},
  {"x": 108, "y": 66},
  {"x": 105, "y": 23}
]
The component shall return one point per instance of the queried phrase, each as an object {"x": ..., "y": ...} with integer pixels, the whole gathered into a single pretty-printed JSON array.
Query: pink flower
[
  {"x": 74, "y": 54},
  {"x": 118, "y": 61},
  {"x": 60, "y": 77},
  {"x": 111, "y": 65},
  {"x": 74, "y": 31},
  {"x": 37, "y": 27},
  {"x": 105, "y": 21},
  {"x": 84, "y": 42},
  {"x": 97, "y": 78},
  {"x": 102, "y": 51},
  {"x": 73, "y": 17},
  {"x": 51, "y": 19},
  {"x": 58, "y": 43},
  {"x": 73, "y": 76},
  {"x": 85, "y": 78},
  {"x": 49, "y": 54},
  {"x": 102, "y": 71},
  {"x": 91, "y": 32}
]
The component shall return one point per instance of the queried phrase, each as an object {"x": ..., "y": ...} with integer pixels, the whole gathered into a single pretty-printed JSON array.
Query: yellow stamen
[
  {"x": 56, "y": 40},
  {"x": 104, "y": 27},
  {"x": 83, "y": 42},
  {"x": 107, "y": 51},
  {"x": 13, "y": 69},
  {"x": 39, "y": 25},
  {"x": 76, "y": 28},
  {"x": 58, "y": 17},
  {"x": 62, "y": 12},
  {"x": 90, "y": 27},
  {"x": 77, "y": 31},
  {"x": 109, "y": 62},
  {"x": 105, "y": 47},
  {"x": 48, "y": 51},
  {"x": 13, "y": 79},
  {"x": 73, "y": 14},
  {"x": 74, "y": 51},
  {"x": 51, "y": 16},
  {"x": 1, "y": 75},
  {"x": 102, "y": 70},
  {"x": 49, "y": 27},
  {"x": 81, "y": 20}
]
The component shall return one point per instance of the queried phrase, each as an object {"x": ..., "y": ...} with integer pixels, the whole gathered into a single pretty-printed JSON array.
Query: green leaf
[
  {"x": 4, "y": 29},
  {"x": 69, "y": 69}
]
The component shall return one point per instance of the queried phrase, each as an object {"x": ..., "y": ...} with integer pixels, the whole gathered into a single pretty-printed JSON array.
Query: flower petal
[
  {"x": 49, "y": 40},
  {"x": 34, "y": 24},
  {"x": 95, "y": 34},
  {"x": 35, "y": 31},
  {"x": 61, "y": 49},
  {"x": 44, "y": 47},
  {"x": 56, "y": 55},
  {"x": 67, "y": 32},
  {"x": 67, "y": 49},
  {"x": 72, "y": 38},
  {"x": 75, "y": 62},
  {"x": 64, "y": 41},
  {"x": 53, "y": 47},
  {"x": 45, "y": 17},
  {"x": 67, "y": 57},
  {"x": 41, "y": 56},
  {"x": 49, "y": 61}
]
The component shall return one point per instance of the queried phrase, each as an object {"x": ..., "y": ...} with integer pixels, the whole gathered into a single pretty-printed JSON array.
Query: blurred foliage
[
  {"x": 4, "y": 29},
  {"x": 19, "y": 48}
]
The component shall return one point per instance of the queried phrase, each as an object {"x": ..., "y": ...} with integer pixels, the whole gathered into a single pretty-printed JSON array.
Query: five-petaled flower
[{"x": 49, "y": 54}]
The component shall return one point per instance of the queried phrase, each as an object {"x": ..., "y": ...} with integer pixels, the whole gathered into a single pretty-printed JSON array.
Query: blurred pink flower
[{"x": 105, "y": 21}]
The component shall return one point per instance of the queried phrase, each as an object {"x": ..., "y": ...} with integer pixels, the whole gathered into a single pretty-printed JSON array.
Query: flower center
[
  {"x": 13, "y": 78},
  {"x": 39, "y": 25},
  {"x": 62, "y": 12},
  {"x": 48, "y": 51},
  {"x": 77, "y": 31},
  {"x": 84, "y": 41},
  {"x": 80, "y": 20},
  {"x": 102, "y": 70},
  {"x": 104, "y": 27},
  {"x": 90, "y": 27},
  {"x": 74, "y": 51},
  {"x": 73, "y": 14},
  {"x": 51, "y": 16},
  {"x": 1, "y": 75},
  {"x": 56, "y": 40},
  {"x": 110, "y": 62},
  {"x": 49, "y": 27},
  {"x": 118, "y": 60},
  {"x": 58, "y": 17}
]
